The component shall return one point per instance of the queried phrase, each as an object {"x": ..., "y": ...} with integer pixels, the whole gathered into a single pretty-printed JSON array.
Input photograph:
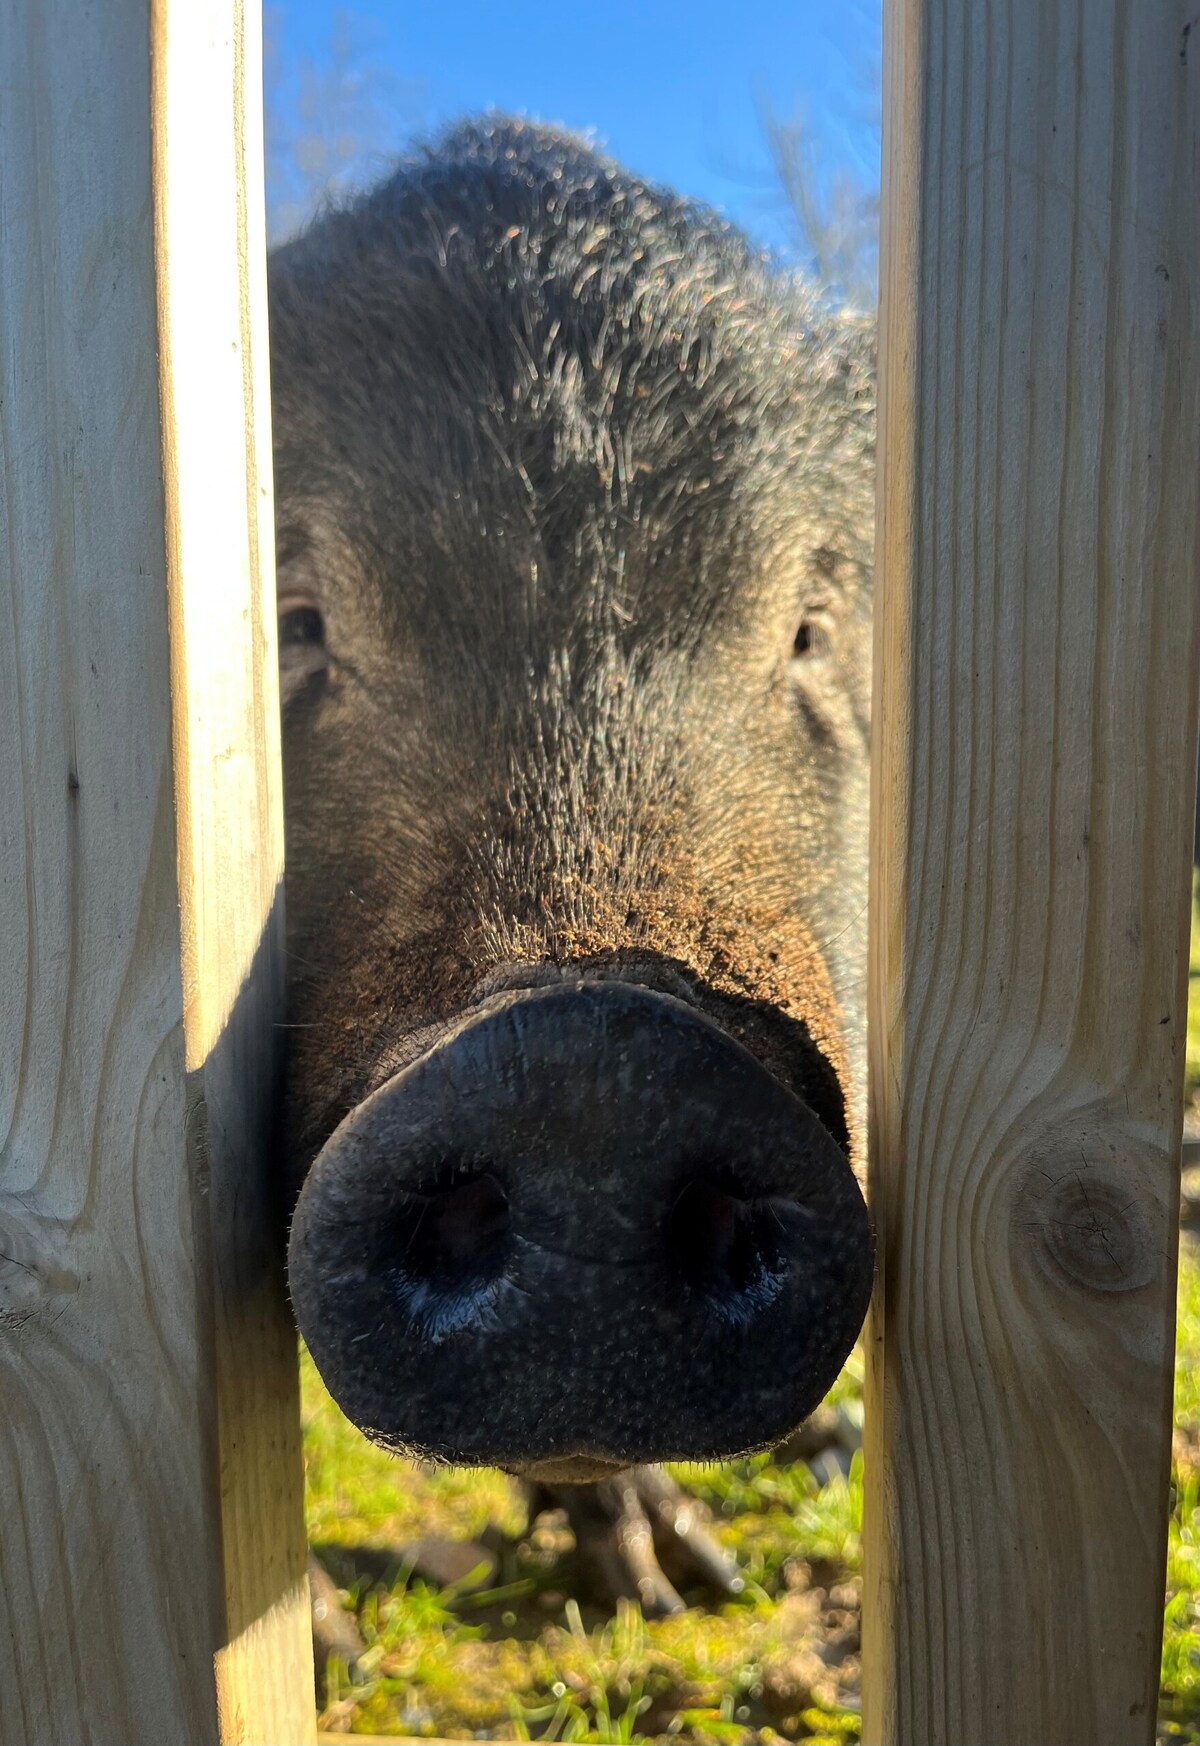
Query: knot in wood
[
  {"x": 1094, "y": 1232},
  {"x": 1091, "y": 1222},
  {"x": 31, "y": 1273}
]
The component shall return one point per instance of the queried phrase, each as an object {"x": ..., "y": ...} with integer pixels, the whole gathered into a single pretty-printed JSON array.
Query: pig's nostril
[
  {"x": 733, "y": 1251},
  {"x": 467, "y": 1224},
  {"x": 455, "y": 1234},
  {"x": 706, "y": 1232},
  {"x": 443, "y": 1256}
]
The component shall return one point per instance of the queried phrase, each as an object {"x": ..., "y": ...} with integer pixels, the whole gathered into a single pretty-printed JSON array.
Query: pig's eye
[
  {"x": 303, "y": 656},
  {"x": 814, "y": 636},
  {"x": 300, "y": 624}
]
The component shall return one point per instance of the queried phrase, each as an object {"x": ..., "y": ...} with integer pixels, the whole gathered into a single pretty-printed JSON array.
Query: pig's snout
[{"x": 587, "y": 1227}]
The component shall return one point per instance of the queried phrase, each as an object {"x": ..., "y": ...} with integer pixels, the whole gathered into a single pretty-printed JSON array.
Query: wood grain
[
  {"x": 151, "y": 1556},
  {"x": 1033, "y": 785}
]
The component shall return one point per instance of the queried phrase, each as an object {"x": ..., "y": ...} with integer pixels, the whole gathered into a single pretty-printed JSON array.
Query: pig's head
[{"x": 574, "y": 517}]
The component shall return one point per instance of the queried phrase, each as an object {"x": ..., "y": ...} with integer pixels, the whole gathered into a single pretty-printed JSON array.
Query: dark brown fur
[{"x": 564, "y": 467}]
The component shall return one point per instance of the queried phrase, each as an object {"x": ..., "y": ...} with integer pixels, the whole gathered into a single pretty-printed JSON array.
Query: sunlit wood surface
[
  {"x": 151, "y": 1552},
  {"x": 1034, "y": 770}
]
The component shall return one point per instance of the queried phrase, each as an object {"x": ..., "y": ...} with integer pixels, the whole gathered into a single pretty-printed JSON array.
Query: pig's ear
[{"x": 303, "y": 655}]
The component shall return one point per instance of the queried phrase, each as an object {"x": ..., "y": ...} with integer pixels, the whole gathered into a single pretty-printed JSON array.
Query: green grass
[
  {"x": 1179, "y": 1698},
  {"x": 1192, "y": 1070},
  {"x": 1179, "y": 1704},
  {"x": 521, "y": 1659}
]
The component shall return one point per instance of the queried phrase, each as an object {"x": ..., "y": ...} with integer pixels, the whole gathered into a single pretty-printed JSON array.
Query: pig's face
[{"x": 574, "y": 510}]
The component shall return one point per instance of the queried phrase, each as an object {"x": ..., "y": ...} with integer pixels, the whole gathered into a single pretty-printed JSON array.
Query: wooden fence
[
  {"x": 152, "y": 1575},
  {"x": 1034, "y": 765},
  {"x": 1037, "y": 678}
]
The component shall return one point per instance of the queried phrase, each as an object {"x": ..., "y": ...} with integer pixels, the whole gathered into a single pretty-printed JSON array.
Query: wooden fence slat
[
  {"x": 1035, "y": 754},
  {"x": 152, "y": 1581}
]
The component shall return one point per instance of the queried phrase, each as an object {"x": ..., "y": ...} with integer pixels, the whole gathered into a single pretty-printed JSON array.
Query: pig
[{"x": 574, "y": 527}]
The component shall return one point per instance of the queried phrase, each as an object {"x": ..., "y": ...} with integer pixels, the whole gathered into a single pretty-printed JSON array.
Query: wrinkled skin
[{"x": 574, "y": 510}]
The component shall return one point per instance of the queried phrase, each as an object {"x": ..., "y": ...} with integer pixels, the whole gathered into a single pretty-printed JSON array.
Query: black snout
[{"x": 587, "y": 1226}]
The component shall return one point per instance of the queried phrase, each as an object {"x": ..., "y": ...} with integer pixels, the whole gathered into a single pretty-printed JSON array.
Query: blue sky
[{"x": 672, "y": 89}]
